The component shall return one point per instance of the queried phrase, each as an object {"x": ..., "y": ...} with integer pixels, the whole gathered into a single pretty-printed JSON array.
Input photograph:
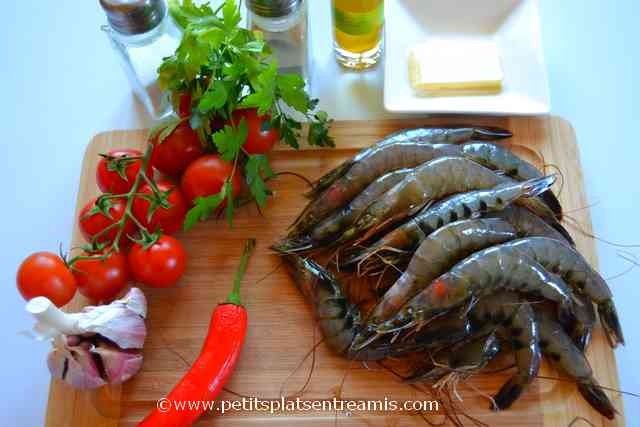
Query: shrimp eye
[{"x": 439, "y": 289}]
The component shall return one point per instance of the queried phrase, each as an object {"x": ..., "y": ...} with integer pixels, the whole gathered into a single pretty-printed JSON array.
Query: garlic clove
[
  {"x": 76, "y": 366},
  {"x": 119, "y": 365}
]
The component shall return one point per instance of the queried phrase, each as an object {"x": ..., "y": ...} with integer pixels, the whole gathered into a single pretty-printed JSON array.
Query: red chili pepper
[{"x": 216, "y": 361}]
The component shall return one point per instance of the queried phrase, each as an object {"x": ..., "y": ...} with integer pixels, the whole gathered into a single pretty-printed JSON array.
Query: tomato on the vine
[
  {"x": 172, "y": 155},
  {"x": 160, "y": 265},
  {"x": 206, "y": 176},
  {"x": 45, "y": 274},
  {"x": 101, "y": 213},
  {"x": 101, "y": 279},
  {"x": 155, "y": 216},
  {"x": 261, "y": 136},
  {"x": 117, "y": 171}
]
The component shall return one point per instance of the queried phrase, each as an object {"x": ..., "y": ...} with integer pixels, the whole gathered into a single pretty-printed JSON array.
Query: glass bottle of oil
[{"x": 358, "y": 27}]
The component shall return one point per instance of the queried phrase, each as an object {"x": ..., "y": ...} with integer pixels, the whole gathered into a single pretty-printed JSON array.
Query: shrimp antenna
[
  {"x": 576, "y": 225},
  {"x": 295, "y": 174},
  {"x": 629, "y": 257},
  {"x": 312, "y": 353}
]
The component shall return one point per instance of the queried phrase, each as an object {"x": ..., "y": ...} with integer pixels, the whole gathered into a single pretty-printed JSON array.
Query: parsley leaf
[
  {"x": 231, "y": 15},
  {"x": 319, "y": 131},
  {"x": 291, "y": 90},
  {"x": 215, "y": 97},
  {"x": 265, "y": 87},
  {"x": 204, "y": 207},
  {"x": 257, "y": 170},
  {"x": 229, "y": 140}
]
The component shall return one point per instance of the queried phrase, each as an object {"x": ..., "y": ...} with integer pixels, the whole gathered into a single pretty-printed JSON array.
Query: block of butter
[{"x": 455, "y": 66}]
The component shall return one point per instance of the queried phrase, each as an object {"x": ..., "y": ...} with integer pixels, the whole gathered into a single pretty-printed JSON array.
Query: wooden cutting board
[{"x": 281, "y": 331}]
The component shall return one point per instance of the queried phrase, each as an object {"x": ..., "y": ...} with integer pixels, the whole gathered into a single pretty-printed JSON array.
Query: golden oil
[{"x": 358, "y": 28}]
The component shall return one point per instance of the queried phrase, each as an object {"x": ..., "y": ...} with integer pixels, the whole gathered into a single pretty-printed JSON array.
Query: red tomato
[
  {"x": 101, "y": 280},
  {"x": 117, "y": 175},
  {"x": 159, "y": 266},
  {"x": 93, "y": 220},
  {"x": 205, "y": 177},
  {"x": 176, "y": 151},
  {"x": 261, "y": 137},
  {"x": 184, "y": 105},
  {"x": 168, "y": 220},
  {"x": 44, "y": 274}
]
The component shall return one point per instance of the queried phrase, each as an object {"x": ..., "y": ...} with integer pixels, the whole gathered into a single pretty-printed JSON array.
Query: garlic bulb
[{"x": 97, "y": 346}]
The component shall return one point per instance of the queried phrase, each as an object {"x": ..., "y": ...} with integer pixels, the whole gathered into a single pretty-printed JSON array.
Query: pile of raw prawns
[{"x": 468, "y": 239}]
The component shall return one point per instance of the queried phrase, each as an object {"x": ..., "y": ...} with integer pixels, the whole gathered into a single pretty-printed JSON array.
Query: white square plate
[{"x": 514, "y": 26}]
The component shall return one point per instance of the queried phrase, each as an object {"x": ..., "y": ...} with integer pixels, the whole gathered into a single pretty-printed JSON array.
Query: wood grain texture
[{"x": 281, "y": 329}]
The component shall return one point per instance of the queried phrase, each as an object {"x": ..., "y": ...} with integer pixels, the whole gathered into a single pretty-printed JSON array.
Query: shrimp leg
[{"x": 463, "y": 357}]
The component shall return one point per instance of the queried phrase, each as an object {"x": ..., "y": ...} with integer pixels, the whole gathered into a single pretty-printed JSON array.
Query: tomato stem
[
  {"x": 234, "y": 296},
  {"x": 128, "y": 214},
  {"x": 130, "y": 197}
]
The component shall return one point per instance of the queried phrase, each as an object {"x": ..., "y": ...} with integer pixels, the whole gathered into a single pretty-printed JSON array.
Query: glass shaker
[
  {"x": 142, "y": 34},
  {"x": 284, "y": 25}
]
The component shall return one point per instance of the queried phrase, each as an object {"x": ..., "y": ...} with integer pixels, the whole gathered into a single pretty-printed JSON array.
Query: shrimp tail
[
  {"x": 552, "y": 202},
  {"x": 508, "y": 394},
  {"x": 610, "y": 322},
  {"x": 490, "y": 133},
  {"x": 292, "y": 245},
  {"x": 329, "y": 178},
  {"x": 597, "y": 398},
  {"x": 581, "y": 336},
  {"x": 560, "y": 229}
]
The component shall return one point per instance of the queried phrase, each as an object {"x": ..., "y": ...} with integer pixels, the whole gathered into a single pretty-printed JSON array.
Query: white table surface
[{"x": 60, "y": 84}]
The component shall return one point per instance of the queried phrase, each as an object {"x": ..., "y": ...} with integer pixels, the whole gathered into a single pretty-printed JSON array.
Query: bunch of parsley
[{"x": 223, "y": 67}]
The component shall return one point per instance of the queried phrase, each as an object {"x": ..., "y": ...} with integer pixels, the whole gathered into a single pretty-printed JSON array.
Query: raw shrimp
[
  {"x": 334, "y": 224},
  {"x": 429, "y": 182},
  {"x": 500, "y": 158},
  {"x": 558, "y": 347},
  {"x": 472, "y": 204},
  {"x": 337, "y": 318},
  {"x": 340, "y": 320},
  {"x": 561, "y": 259},
  {"x": 515, "y": 322},
  {"x": 490, "y": 270},
  {"x": 437, "y": 254},
  {"x": 426, "y": 135}
]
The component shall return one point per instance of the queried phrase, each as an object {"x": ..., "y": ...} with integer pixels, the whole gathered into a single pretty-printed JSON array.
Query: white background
[{"x": 60, "y": 84}]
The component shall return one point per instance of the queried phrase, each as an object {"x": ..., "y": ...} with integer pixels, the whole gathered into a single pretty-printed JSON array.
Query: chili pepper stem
[{"x": 234, "y": 296}]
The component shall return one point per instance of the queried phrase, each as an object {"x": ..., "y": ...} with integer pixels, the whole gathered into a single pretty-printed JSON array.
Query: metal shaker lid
[
  {"x": 134, "y": 16},
  {"x": 273, "y": 8}
]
